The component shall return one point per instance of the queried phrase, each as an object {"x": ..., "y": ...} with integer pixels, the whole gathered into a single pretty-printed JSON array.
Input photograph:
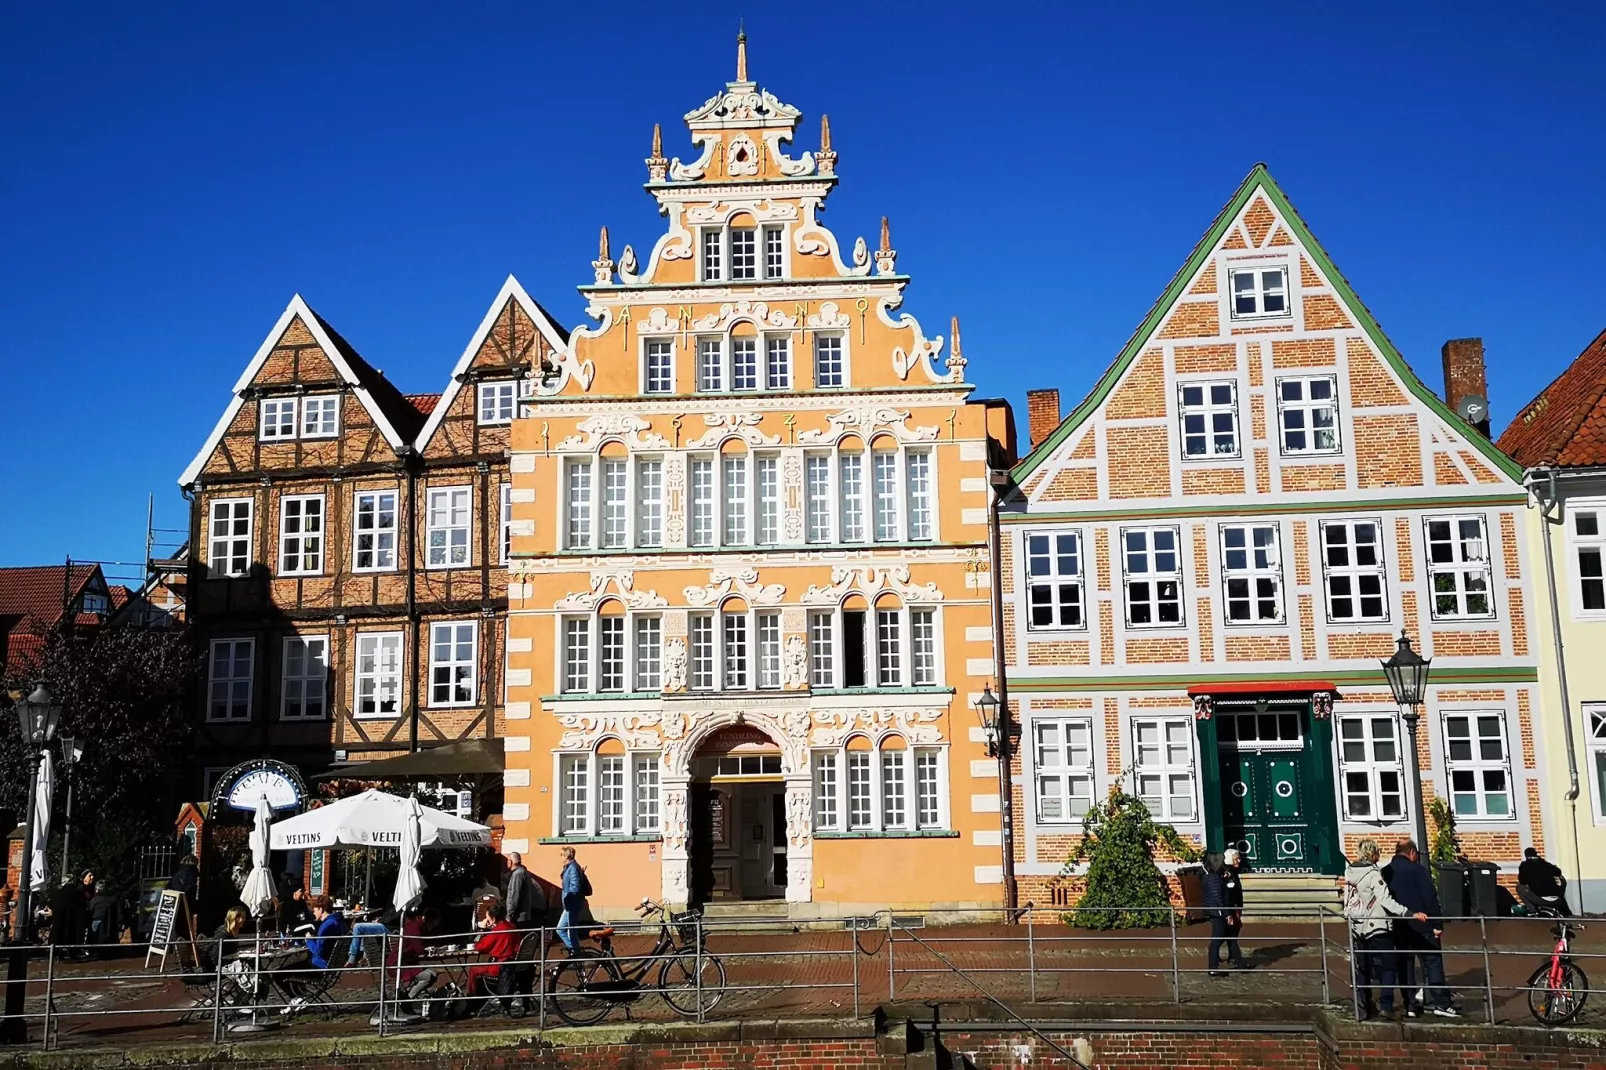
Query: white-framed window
[
  {"x": 767, "y": 632},
  {"x": 850, "y": 481},
  {"x": 608, "y": 794},
  {"x": 767, "y": 491},
  {"x": 713, "y": 254},
  {"x": 448, "y": 511},
  {"x": 504, "y": 525},
  {"x": 887, "y": 647},
  {"x": 1258, "y": 292},
  {"x": 734, "y": 504},
  {"x": 379, "y": 674},
  {"x": 276, "y": 419},
  {"x": 320, "y": 416},
  {"x": 373, "y": 531},
  {"x": 615, "y": 503},
  {"x": 1458, "y": 567},
  {"x": 778, "y": 361},
  {"x": 1587, "y": 533},
  {"x": 576, "y": 654},
  {"x": 453, "y": 663},
  {"x": 830, "y": 369},
  {"x": 736, "y": 651},
  {"x": 701, "y": 529},
  {"x": 1162, "y": 750},
  {"x": 822, "y": 663},
  {"x": 1352, "y": 566},
  {"x": 1369, "y": 767},
  {"x": 884, "y": 495},
  {"x": 1307, "y": 414},
  {"x": 1152, "y": 566},
  {"x": 774, "y": 253},
  {"x": 498, "y": 401},
  {"x": 228, "y": 682},
  {"x": 304, "y": 678},
  {"x": 744, "y": 364},
  {"x": 1595, "y": 742},
  {"x": 577, "y": 503},
  {"x": 1062, "y": 764},
  {"x": 611, "y": 653},
  {"x": 649, "y": 654},
  {"x": 744, "y": 252},
  {"x": 710, "y": 365},
  {"x": 1054, "y": 580},
  {"x": 892, "y": 788},
  {"x": 918, "y": 481},
  {"x": 1251, "y": 573},
  {"x": 1479, "y": 765},
  {"x": 817, "y": 496},
  {"x": 649, "y": 501},
  {"x": 1209, "y": 418},
  {"x": 659, "y": 375},
  {"x": 300, "y": 534},
  {"x": 923, "y": 641},
  {"x": 704, "y": 667},
  {"x": 229, "y": 537}
]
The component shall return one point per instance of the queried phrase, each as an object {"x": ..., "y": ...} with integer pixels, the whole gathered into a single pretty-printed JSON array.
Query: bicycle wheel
[
  {"x": 572, "y": 984},
  {"x": 1557, "y": 1005},
  {"x": 679, "y": 981}
]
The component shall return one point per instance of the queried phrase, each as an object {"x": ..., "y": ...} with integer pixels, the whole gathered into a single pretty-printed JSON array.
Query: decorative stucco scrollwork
[
  {"x": 833, "y": 726},
  {"x": 623, "y": 582},
  {"x": 742, "y": 581},
  {"x": 871, "y": 580}
]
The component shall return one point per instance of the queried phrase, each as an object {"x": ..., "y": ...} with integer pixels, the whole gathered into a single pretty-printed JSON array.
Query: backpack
[
  {"x": 585, "y": 884},
  {"x": 1357, "y": 907}
]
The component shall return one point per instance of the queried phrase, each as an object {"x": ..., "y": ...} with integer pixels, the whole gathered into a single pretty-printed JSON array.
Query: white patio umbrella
[
  {"x": 409, "y": 882},
  {"x": 374, "y": 819},
  {"x": 257, "y": 895},
  {"x": 45, "y": 787}
]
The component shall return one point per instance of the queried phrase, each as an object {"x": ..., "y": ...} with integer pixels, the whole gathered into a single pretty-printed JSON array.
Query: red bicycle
[{"x": 1558, "y": 990}]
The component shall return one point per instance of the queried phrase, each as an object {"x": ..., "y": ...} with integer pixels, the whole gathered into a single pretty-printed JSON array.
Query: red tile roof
[
  {"x": 424, "y": 403},
  {"x": 32, "y": 600},
  {"x": 1566, "y": 424}
]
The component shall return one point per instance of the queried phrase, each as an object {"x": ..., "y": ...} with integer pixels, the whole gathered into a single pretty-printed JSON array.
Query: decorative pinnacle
[
  {"x": 741, "y": 52},
  {"x": 657, "y": 141},
  {"x": 953, "y": 329},
  {"x": 825, "y": 133},
  {"x": 602, "y": 245},
  {"x": 886, "y": 236}
]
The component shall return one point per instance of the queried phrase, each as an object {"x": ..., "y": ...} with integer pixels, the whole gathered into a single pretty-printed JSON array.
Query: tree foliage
[{"x": 1125, "y": 889}]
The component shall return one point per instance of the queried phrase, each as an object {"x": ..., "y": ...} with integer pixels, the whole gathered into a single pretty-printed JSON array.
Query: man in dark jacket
[
  {"x": 520, "y": 900},
  {"x": 1410, "y": 883},
  {"x": 1223, "y": 915}
]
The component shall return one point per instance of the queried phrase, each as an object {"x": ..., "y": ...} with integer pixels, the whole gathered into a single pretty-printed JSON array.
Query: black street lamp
[
  {"x": 72, "y": 749},
  {"x": 987, "y": 712},
  {"x": 994, "y": 725},
  {"x": 37, "y": 716},
  {"x": 1407, "y": 672}
]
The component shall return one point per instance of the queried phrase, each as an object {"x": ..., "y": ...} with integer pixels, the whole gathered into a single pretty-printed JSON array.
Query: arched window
[
  {"x": 883, "y": 494},
  {"x": 608, "y": 791},
  {"x": 885, "y": 787},
  {"x": 737, "y": 648},
  {"x": 611, "y": 650},
  {"x": 888, "y": 645},
  {"x": 612, "y": 500},
  {"x": 743, "y": 250}
]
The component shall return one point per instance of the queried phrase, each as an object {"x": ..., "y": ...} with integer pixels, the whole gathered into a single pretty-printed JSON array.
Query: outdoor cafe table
[{"x": 268, "y": 978}]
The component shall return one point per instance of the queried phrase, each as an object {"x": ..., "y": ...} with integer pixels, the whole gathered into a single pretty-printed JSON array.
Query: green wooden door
[{"x": 1266, "y": 810}]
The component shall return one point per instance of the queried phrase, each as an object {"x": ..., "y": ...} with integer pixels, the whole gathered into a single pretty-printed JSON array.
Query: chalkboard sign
[{"x": 171, "y": 929}]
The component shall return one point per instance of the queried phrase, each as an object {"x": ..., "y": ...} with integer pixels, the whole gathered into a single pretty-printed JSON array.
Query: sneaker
[
  {"x": 1446, "y": 1012},
  {"x": 1412, "y": 1012},
  {"x": 1218, "y": 973}
]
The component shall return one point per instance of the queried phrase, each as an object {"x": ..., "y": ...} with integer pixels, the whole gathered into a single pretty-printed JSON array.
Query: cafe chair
[{"x": 318, "y": 988}]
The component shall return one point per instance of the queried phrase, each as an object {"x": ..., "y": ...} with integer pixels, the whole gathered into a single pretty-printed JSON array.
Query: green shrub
[
  {"x": 1445, "y": 847},
  {"x": 1125, "y": 889}
]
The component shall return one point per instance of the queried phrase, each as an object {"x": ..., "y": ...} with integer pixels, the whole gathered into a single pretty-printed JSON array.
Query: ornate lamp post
[
  {"x": 72, "y": 749},
  {"x": 994, "y": 725},
  {"x": 1407, "y": 672},
  {"x": 36, "y": 717}
]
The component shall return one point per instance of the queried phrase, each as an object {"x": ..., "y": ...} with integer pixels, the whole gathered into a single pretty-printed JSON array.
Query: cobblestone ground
[{"x": 813, "y": 973}]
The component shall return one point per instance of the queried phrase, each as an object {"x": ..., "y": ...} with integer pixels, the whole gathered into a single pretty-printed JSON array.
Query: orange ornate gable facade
[{"x": 749, "y": 590}]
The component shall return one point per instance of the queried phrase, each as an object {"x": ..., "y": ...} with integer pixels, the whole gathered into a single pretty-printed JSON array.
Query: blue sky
[{"x": 174, "y": 172}]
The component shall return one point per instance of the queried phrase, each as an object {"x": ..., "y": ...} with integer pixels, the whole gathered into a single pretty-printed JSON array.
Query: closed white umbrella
[
  {"x": 374, "y": 819},
  {"x": 409, "y": 882},
  {"x": 45, "y": 787},
  {"x": 257, "y": 895}
]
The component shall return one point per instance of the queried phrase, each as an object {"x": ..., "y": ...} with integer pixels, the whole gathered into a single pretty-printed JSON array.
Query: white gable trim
[
  {"x": 549, "y": 331},
  {"x": 296, "y": 307}
]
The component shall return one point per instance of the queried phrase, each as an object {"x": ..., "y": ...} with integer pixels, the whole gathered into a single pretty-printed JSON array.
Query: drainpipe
[
  {"x": 999, "y": 481},
  {"x": 1549, "y": 506}
]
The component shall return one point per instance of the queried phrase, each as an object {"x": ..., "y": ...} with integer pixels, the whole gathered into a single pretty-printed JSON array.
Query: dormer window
[
  {"x": 94, "y": 603},
  {"x": 1259, "y": 292},
  {"x": 320, "y": 417},
  {"x": 497, "y": 402},
  {"x": 754, "y": 253}
]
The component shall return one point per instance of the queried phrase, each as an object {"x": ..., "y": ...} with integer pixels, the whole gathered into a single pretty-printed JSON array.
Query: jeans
[
  {"x": 1224, "y": 931},
  {"x": 1374, "y": 970},
  {"x": 358, "y": 931},
  {"x": 566, "y": 932},
  {"x": 1412, "y": 945}
]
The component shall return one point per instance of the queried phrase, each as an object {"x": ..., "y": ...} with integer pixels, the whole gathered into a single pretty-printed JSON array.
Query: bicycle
[
  {"x": 1558, "y": 990},
  {"x": 587, "y": 985}
]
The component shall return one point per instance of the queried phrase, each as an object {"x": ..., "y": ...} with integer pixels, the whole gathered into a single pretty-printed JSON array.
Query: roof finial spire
[
  {"x": 741, "y": 51},
  {"x": 602, "y": 245},
  {"x": 657, "y": 166},
  {"x": 886, "y": 235},
  {"x": 953, "y": 329},
  {"x": 657, "y": 140},
  {"x": 604, "y": 262},
  {"x": 825, "y": 159},
  {"x": 825, "y": 133}
]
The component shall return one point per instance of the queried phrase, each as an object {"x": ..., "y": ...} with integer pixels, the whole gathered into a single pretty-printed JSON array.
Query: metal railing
[{"x": 723, "y": 971}]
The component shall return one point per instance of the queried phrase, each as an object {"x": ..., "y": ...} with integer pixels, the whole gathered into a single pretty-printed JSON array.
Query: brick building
[
  {"x": 1205, "y": 560},
  {"x": 348, "y": 545}
]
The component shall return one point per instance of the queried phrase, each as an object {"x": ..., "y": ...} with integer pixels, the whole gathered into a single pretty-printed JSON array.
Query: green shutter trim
[{"x": 1259, "y": 178}]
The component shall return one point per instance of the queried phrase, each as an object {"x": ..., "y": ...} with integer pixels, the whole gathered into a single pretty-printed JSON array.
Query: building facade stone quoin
[
  {"x": 749, "y": 590},
  {"x": 1205, "y": 560}
]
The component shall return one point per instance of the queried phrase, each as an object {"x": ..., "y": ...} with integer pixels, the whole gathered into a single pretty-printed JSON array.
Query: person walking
[
  {"x": 1410, "y": 883},
  {"x": 576, "y": 917},
  {"x": 1370, "y": 910},
  {"x": 520, "y": 899},
  {"x": 1220, "y": 913},
  {"x": 105, "y": 918},
  {"x": 1233, "y": 894}
]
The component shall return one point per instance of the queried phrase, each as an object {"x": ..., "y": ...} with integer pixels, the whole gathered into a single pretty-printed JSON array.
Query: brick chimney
[
  {"x": 1464, "y": 378},
  {"x": 1042, "y": 414}
]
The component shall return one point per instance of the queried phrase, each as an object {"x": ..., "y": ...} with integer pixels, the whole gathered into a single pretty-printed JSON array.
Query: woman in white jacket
[{"x": 1371, "y": 911}]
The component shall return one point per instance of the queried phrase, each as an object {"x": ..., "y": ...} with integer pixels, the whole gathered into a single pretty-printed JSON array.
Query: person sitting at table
[
  {"x": 331, "y": 927},
  {"x": 294, "y": 914},
  {"x": 416, "y": 980},
  {"x": 362, "y": 933},
  {"x": 500, "y": 946},
  {"x": 226, "y": 939}
]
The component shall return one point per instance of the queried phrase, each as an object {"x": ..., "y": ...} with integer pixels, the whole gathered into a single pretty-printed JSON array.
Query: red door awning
[{"x": 1263, "y": 687}]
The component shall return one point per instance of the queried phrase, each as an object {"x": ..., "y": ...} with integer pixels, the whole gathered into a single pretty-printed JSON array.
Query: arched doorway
[{"x": 737, "y": 843}]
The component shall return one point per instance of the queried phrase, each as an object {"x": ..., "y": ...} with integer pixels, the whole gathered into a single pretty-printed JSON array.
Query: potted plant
[{"x": 1444, "y": 852}]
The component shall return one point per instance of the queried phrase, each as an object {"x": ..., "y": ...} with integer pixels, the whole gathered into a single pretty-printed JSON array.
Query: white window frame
[
  {"x": 1053, "y": 580},
  {"x": 749, "y": 376},
  {"x": 745, "y": 264},
  {"x": 325, "y": 409},
  {"x": 305, "y": 680},
  {"x": 641, "y": 680},
  {"x": 1465, "y": 568},
  {"x": 777, "y": 375},
  {"x": 1305, "y": 405},
  {"x": 496, "y": 401},
  {"x": 455, "y": 663},
  {"x": 640, "y": 800},
  {"x": 703, "y": 528},
  {"x": 504, "y": 525},
  {"x": 235, "y": 545},
  {"x": 233, "y": 682},
  {"x": 1154, "y": 576},
  {"x": 1252, "y": 574},
  {"x": 612, "y": 475},
  {"x": 925, "y": 659},
  {"x": 379, "y": 669},
  {"x": 819, "y": 504},
  {"x": 1594, "y": 716},
  {"x": 448, "y": 527},
  {"x": 919, "y": 518},
  {"x": 296, "y": 543},
  {"x": 658, "y": 366},
  {"x": 833, "y": 801},
  {"x": 773, "y": 268},
  {"x": 1166, "y": 769},
  {"x": 649, "y": 519},
  {"x": 827, "y": 671},
  {"x": 711, "y": 254},
  {"x": 282, "y": 415},
  {"x": 1064, "y": 769},
  {"x": 841, "y": 377},
  {"x": 1355, "y": 573},
  {"x": 713, "y": 364},
  {"x": 1208, "y": 409},
  {"x": 1478, "y": 765},
  {"x": 1578, "y": 545},
  {"x": 579, "y": 512},
  {"x": 1260, "y": 290},
  {"x": 376, "y": 532},
  {"x": 1372, "y": 767},
  {"x": 577, "y": 650}
]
